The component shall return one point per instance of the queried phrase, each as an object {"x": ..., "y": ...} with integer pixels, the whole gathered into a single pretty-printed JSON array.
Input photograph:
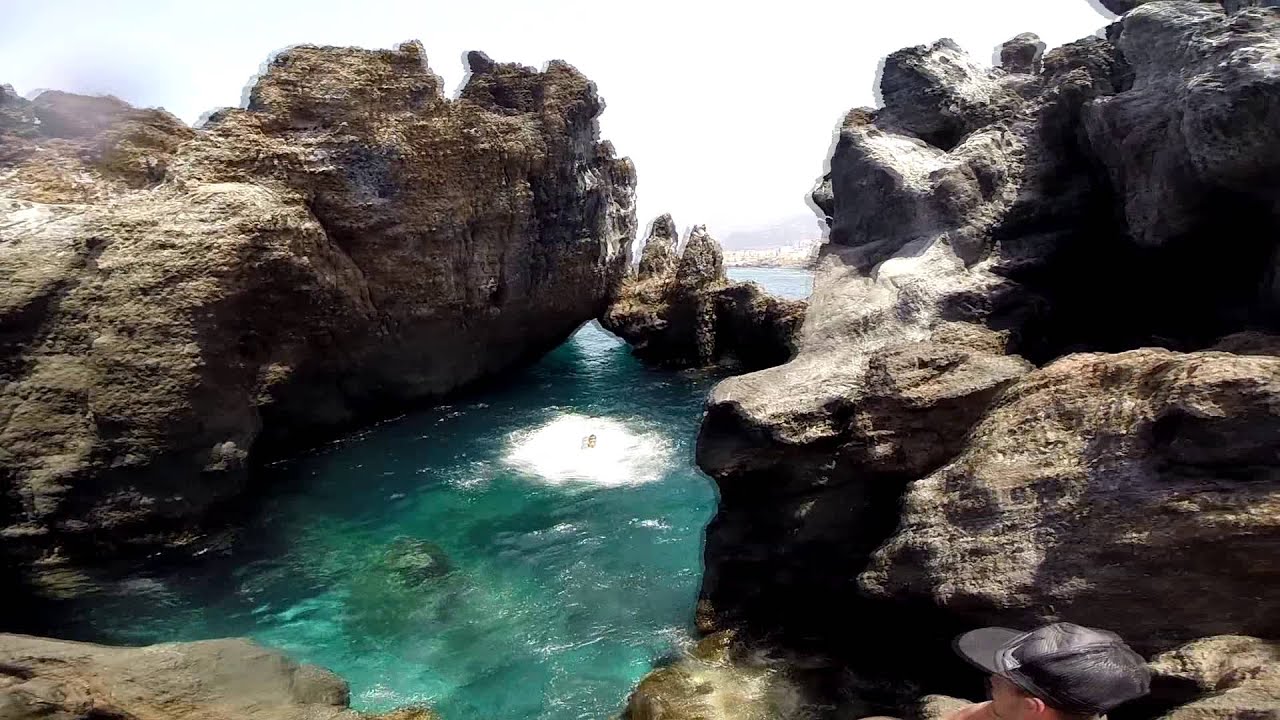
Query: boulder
[
  {"x": 231, "y": 679},
  {"x": 1099, "y": 487},
  {"x": 1234, "y": 677},
  {"x": 1023, "y": 54},
  {"x": 177, "y": 302},
  {"x": 659, "y": 257},
  {"x": 680, "y": 310}
]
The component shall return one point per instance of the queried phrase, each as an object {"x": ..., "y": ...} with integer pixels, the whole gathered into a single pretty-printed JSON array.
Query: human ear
[{"x": 1033, "y": 707}]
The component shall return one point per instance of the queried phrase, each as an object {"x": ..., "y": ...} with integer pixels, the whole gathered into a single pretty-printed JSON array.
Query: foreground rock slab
[{"x": 231, "y": 679}]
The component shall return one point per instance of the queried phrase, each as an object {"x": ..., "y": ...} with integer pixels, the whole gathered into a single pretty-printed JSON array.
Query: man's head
[{"x": 1058, "y": 670}]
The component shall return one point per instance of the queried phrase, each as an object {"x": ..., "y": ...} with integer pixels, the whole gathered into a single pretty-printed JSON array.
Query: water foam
[{"x": 556, "y": 452}]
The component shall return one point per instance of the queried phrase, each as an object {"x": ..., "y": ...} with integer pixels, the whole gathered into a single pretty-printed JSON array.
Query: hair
[{"x": 1064, "y": 714}]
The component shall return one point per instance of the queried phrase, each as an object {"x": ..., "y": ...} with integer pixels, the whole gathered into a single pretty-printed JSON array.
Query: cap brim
[{"x": 981, "y": 647}]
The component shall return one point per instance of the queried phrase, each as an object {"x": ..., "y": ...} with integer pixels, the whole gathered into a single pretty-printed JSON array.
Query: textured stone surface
[
  {"x": 680, "y": 310},
  {"x": 173, "y": 300},
  {"x": 937, "y": 707},
  {"x": 983, "y": 223},
  {"x": 1102, "y": 486},
  {"x": 1235, "y": 677},
  {"x": 1023, "y": 54},
  {"x": 230, "y": 679},
  {"x": 1120, "y": 7}
]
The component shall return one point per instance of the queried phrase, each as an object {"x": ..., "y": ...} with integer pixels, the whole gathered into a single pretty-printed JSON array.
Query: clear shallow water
[{"x": 475, "y": 557}]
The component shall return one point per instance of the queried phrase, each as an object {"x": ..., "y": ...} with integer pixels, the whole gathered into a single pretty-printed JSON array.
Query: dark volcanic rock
[
  {"x": 1023, "y": 54},
  {"x": 172, "y": 300},
  {"x": 682, "y": 311},
  {"x": 659, "y": 256},
  {"x": 985, "y": 222},
  {"x": 1120, "y": 7}
]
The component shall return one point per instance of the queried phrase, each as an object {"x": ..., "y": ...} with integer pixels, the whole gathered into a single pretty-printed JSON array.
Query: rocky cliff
[
  {"x": 679, "y": 309},
  {"x": 174, "y": 302},
  {"x": 1012, "y": 400},
  {"x": 208, "y": 680}
]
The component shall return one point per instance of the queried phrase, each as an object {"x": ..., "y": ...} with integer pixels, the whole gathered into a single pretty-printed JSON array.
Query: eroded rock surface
[
  {"x": 172, "y": 300},
  {"x": 1234, "y": 677},
  {"x": 230, "y": 679},
  {"x": 984, "y": 223},
  {"x": 679, "y": 309},
  {"x": 1100, "y": 487}
]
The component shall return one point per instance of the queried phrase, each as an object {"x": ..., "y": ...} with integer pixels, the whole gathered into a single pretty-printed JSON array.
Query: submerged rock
[
  {"x": 415, "y": 561},
  {"x": 174, "y": 301},
  {"x": 231, "y": 679},
  {"x": 711, "y": 683},
  {"x": 986, "y": 222},
  {"x": 681, "y": 310}
]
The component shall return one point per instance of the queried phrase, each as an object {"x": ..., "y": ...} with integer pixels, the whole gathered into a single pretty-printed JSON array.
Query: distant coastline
[{"x": 802, "y": 258}]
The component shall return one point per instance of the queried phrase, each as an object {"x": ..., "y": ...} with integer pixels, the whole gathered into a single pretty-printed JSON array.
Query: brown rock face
[
  {"x": 1100, "y": 487},
  {"x": 209, "y": 680},
  {"x": 1237, "y": 678},
  {"x": 680, "y": 310},
  {"x": 986, "y": 222},
  {"x": 171, "y": 301}
]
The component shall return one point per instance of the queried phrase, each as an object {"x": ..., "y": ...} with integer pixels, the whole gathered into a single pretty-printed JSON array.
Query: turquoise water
[
  {"x": 779, "y": 281},
  {"x": 475, "y": 557}
]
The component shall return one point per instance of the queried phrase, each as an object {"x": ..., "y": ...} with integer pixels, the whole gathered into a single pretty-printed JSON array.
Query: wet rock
[
  {"x": 713, "y": 685},
  {"x": 231, "y": 679},
  {"x": 175, "y": 302},
  {"x": 682, "y": 311},
  {"x": 415, "y": 561}
]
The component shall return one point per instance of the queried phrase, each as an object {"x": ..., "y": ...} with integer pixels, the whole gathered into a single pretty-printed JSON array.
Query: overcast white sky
[{"x": 726, "y": 109}]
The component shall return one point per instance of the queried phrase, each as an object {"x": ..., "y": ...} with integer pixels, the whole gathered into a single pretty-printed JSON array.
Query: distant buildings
[{"x": 799, "y": 255}]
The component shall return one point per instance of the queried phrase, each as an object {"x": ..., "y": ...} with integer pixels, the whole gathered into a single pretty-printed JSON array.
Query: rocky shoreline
[
  {"x": 1038, "y": 378},
  {"x": 1033, "y": 383},
  {"x": 177, "y": 303}
]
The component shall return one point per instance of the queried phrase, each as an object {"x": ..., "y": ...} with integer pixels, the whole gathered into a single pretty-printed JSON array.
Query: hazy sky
[{"x": 727, "y": 111}]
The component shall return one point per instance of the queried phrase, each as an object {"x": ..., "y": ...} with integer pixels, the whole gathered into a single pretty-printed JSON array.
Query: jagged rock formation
[
  {"x": 680, "y": 310},
  {"x": 1120, "y": 7},
  {"x": 985, "y": 223},
  {"x": 230, "y": 679},
  {"x": 172, "y": 300}
]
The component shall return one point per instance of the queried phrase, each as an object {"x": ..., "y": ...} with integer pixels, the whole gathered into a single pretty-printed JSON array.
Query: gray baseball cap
[{"x": 1071, "y": 668}]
